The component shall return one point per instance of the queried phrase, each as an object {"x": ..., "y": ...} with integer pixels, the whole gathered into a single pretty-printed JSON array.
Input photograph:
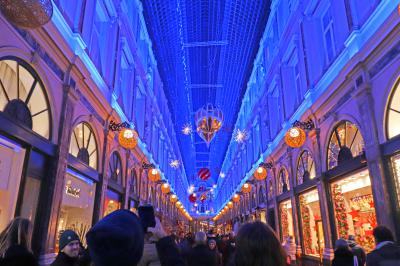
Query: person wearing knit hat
[
  {"x": 116, "y": 240},
  {"x": 69, "y": 246},
  {"x": 343, "y": 255}
]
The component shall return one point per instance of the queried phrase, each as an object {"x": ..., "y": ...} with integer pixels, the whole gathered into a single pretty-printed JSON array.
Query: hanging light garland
[
  {"x": 236, "y": 198},
  {"x": 173, "y": 198}
]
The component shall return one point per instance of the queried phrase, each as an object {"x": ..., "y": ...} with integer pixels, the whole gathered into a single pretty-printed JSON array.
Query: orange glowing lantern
[
  {"x": 230, "y": 204},
  {"x": 178, "y": 204},
  {"x": 236, "y": 198},
  {"x": 246, "y": 188},
  {"x": 154, "y": 175},
  {"x": 127, "y": 138},
  {"x": 295, "y": 137},
  {"x": 165, "y": 188},
  {"x": 173, "y": 198},
  {"x": 260, "y": 174}
]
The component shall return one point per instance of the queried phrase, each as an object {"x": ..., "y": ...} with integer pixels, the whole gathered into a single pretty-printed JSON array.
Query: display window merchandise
[
  {"x": 354, "y": 208},
  {"x": 395, "y": 160},
  {"x": 77, "y": 204},
  {"x": 112, "y": 202},
  {"x": 286, "y": 217},
  {"x": 311, "y": 223}
]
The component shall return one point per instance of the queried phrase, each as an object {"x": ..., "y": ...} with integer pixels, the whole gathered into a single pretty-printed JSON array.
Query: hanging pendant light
[
  {"x": 28, "y": 14},
  {"x": 295, "y": 137},
  {"x": 208, "y": 120}
]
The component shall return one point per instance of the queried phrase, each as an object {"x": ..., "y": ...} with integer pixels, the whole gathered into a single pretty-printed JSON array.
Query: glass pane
[
  {"x": 41, "y": 124},
  {"x": 73, "y": 146},
  {"x": 77, "y": 205},
  {"x": 396, "y": 173},
  {"x": 393, "y": 126},
  {"x": 8, "y": 76},
  {"x": 395, "y": 101},
  {"x": 313, "y": 237},
  {"x": 112, "y": 202},
  {"x": 25, "y": 82},
  {"x": 354, "y": 208},
  {"x": 92, "y": 149},
  {"x": 286, "y": 216},
  {"x": 37, "y": 101},
  {"x": 31, "y": 198},
  {"x": 11, "y": 164},
  {"x": 79, "y": 135}
]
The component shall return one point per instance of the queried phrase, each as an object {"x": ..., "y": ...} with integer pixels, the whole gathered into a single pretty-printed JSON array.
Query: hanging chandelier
[{"x": 208, "y": 120}]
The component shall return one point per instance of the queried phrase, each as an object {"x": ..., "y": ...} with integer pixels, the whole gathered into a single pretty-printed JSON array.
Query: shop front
[
  {"x": 312, "y": 232},
  {"x": 354, "y": 209},
  {"x": 286, "y": 220},
  {"x": 114, "y": 195}
]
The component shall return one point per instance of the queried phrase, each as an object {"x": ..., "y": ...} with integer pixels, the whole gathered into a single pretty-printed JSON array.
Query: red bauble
[
  {"x": 192, "y": 198},
  {"x": 204, "y": 173}
]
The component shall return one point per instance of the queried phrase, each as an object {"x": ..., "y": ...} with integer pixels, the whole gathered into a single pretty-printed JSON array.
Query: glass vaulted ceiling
[{"x": 205, "y": 51}]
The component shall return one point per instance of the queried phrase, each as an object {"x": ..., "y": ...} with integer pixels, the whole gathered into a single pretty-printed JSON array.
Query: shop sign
[{"x": 71, "y": 191}]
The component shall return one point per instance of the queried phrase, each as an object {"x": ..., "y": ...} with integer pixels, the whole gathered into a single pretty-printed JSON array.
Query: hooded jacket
[{"x": 387, "y": 255}]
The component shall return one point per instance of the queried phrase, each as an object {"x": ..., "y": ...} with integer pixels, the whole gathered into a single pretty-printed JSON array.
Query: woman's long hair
[
  {"x": 17, "y": 232},
  {"x": 257, "y": 245}
]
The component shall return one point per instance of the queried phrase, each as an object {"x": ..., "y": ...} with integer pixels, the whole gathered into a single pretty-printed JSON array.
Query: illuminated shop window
[
  {"x": 311, "y": 223},
  {"x": 77, "y": 204},
  {"x": 396, "y": 173},
  {"x": 393, "y": 113},
  {"x": 305, "y": 168},
  {"x": 283, "y": 182},
  {"x": 113, "y": 202},
  {"x": 354, "y": 208},
  {"x": 23, "y": 98},
  {"x": 83, "y": 145},
  {"x": 286, "y": 219},
  {"x": 346, "y": 142}
]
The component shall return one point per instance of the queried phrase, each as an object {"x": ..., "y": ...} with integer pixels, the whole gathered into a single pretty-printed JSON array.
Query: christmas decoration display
[
  {"x": 305, "y": 216},
  {"x": 246, "y": 188},
  {"x": 284, "y": 221},
  {"x": 340, "y": 211},
  {"x": 236, "y": 198},
  {"x": 165, "y": 188},
  {"x": 209, "y": 120},
  {"x": 127, "y": 138},
  {"x": 173, "y": 198},
  {"x": 204, "y": 173}
]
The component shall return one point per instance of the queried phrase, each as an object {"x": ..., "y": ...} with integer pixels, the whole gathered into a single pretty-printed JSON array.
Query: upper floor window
[
  {"x": 345, "y": 143},
  {"x": 83, "y": 145},
  {"x": 329, "y": 41},
  {"x": 283, "y": 181},
  {"x": 393, "y": 112},
  {"x": 23, "y": 97}
]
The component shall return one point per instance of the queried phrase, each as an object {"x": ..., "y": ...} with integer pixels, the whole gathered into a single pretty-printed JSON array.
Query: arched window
[
  {"x": 270, "y": 190},
  {"x": 115, "y": 168},
  {"x": 393, "y": 112},
  {"x": 133, "y": 187},
  {"x": 283, "y": 181},
  {"x": 83, "y": 145},
  {"x": 345, "y": 143},
  {"x": 261, "y": 194},
  {"x": 305, "y": 168},
  {"x": 23, "y": 98}
]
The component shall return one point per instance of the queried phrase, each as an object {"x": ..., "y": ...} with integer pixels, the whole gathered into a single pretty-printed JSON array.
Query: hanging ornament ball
[
  {"x": 260, "y": 174},
  {"x": 230, "y": 204},
  {"x": 178, "y": 204},
  {"x": 192, "y": 198},
  {"x": 154, "y": 175},
  {"x": 173, "y": 198},
  {"x": 165, "y": 188},
  {"x": 246, "y": 188},
  {"x": 295, "y": 137},
  {"x": 236, "y": 198},
  {"x": 127, "y": 138},
  {"x": 204, "y": 173},
  {"x": 28, "y": 14}
]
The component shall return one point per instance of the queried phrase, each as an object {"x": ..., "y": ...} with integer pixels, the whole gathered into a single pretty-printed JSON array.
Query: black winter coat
[
  {"x": 343, "y": 257},
  {"x": 388, "y": 255},
  {"x": 18, "y": 256},
  {"x": 201, "y": 255},
  {"x": 168, "y": 252},
  {"x": 64, "y": 260}
]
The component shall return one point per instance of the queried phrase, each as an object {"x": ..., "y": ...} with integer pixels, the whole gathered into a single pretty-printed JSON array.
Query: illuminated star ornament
[
  {"x": 187, "y": 129},
  {"x": 175, "y": 164},
  {"x": 240, "y": 135}
]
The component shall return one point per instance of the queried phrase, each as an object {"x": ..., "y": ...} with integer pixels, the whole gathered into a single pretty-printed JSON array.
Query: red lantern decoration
[
  {"x": 192, "y": 198},
  {"x": 260, "y": 174},
  {"x": 295, "y": 137},
  {"x": 204, "y": 173}
]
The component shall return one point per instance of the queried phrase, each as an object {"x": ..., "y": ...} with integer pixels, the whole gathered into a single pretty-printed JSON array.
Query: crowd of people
[{"x": 120, "y": 240}]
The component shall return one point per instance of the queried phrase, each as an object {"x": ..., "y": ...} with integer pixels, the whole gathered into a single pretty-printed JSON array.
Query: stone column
[
  {"x": 381, "y": 193},
  {"x": 58, "y": 167}
]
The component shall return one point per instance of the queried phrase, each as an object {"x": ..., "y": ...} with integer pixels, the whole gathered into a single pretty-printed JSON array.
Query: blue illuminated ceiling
[{"x": 205, "y": 51}]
